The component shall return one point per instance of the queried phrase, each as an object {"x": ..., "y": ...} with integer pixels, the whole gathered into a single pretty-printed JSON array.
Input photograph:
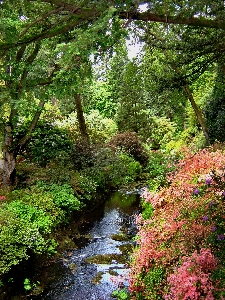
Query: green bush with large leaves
[{"x": 47, "y": 142}]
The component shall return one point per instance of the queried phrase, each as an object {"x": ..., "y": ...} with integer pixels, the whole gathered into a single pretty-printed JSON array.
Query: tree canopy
[{"x": 46, "y": 45}]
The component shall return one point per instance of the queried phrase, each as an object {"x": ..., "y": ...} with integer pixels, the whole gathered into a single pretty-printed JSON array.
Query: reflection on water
[{"x": 86, "y": 272}]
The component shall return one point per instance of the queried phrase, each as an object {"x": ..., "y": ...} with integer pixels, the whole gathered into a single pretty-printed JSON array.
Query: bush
[
  {"x": 111, "y": 169},
  {"x": 63, "y": 196},
  {"x": 82, "y": 155},
  {"x": 25, "y": 224},
  {"x": 185, "y": 235},
  {"x": 158, "y": 167},
  {"x": 130, "y": 143},
  {"x": 46, "y": 143},
  {"x": 99, "y": 129},
  {"x": 27, "y": 221},
  {"x": 162, "y": 132}
]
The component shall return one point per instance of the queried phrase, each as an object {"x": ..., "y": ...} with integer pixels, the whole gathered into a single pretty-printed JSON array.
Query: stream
[{"x": 94, "y": 269}]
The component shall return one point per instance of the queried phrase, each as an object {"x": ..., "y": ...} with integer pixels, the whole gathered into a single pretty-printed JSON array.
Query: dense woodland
[{"x": 79, "y": 117}]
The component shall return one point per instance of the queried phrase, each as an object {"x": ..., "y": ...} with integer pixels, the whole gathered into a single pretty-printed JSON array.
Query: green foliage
[
  {"x": 82, "y": 155},
  {"x": 147, "y": 210},
  {"x": 28, "y": 220},
  {"x": 24, "y": 227},
  {"x": 27, "y": 284},
  {"x": 60, "y": 169},
  {"x": 133, "y": 167},
  {"x": 63, "y": 195},
  {"x": 121, "y": 294},
  {"x": 162, "y": 132},
  {"x": 131, "y": 114},
  {"x": 46, "y": 143},
  {"x": 153, "y": 281},
  {"x": 86, "y": 185},
  {"x": 159, "y": 165},
  {"x": 113, "y": 169},
  {"x": 215, "y": 109},
  {"x": 99, "y": 97},
  {"x": 100, "y": 129}
]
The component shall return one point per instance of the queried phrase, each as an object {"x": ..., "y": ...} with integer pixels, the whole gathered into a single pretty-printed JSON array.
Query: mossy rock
[
  {"x": 106, "y": 259},
  {"x": 126, "y": 249},
  {"x": 121, "y": 237},
  {"x": 97, "y": 278}
]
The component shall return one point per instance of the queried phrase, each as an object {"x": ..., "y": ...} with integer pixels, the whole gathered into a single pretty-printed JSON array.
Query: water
[{"x": 94, "y": 269}]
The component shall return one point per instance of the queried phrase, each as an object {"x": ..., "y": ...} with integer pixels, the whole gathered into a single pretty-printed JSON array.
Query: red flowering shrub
[
  {"x": 131, "y": 144},
  {"x": 186, "y": 228}
]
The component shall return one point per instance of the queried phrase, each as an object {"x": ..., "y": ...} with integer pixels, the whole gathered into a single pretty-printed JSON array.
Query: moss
[
  {"x": 97, "y": 278},
  {"x": 72, "y": 267},
  {"x": 126, "y": 249},
  {"x": 113, "y": 272},
  {"x": 119, "y": 237},
  {"x": 106, "y": 259}
]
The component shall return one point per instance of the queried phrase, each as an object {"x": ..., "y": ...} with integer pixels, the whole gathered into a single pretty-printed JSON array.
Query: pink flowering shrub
[
  {"x": 192, "y": 279},
  {"x": 187, "y": 226}
]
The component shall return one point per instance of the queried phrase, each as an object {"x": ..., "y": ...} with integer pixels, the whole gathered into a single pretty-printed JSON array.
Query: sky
[{"x": 135, "y": 48}]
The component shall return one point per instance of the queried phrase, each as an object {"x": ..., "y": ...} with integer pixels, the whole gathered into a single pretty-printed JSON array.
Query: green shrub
[
  {"x": 29, "y": 218},
  {"x": 121, "y": 294},
  {"x": 162, "y": 132},
  {"x": 147, "y": 211},
  {"x": 87, "y": 186},
  {"x": 112, "y": 169},
  {"x": 100, "y": 129},
  {"x": 153, "y": 283},
  {"x": 63, "y": 196},
  {"x": 25, "y": 225},
  {"x": 82, "y": 155},
  {"x": 159, "y": 165},
  {"x": 46, "y": 143}
]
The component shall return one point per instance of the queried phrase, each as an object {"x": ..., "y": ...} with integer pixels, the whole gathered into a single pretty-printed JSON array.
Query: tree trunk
[
  {"x": 189, "y": 95},
  {"x": 81, "y": 120},
  {"x": 197, "y": 112},
  {"x": 9, "y": 157},
  {"x": 10, "y": 150}
]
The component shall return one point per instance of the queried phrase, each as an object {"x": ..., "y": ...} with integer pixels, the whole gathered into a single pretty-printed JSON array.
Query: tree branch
[
  {"x": 84, "y": 15},
  {"x": 29, "y": 61},
  {"x": 193, "y": 21},
  {"x": 41, "y": 19},
  {"x": 32, "y": 126}
]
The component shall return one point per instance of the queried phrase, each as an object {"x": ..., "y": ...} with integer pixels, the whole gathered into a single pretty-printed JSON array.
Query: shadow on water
[{"x": 103, "y": 248}]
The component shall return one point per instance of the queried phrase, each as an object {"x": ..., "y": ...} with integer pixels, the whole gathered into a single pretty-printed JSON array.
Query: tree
[
  {"x": 132, "y": 114},
  {"x": 50, "y": 58},
  {"x": 42, "y": 41},
  {"x": 215, "y": 108}
]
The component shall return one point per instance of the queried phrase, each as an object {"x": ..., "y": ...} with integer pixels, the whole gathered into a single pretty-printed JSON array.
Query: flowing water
[{"x": 93, "y": 270}]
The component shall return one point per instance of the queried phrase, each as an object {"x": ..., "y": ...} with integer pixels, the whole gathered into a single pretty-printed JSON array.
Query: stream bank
[{"x": 98, "y": 252}]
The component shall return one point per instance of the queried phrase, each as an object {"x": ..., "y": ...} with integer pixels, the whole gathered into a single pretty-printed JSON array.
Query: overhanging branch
[{"x": 192, "y": 21}]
